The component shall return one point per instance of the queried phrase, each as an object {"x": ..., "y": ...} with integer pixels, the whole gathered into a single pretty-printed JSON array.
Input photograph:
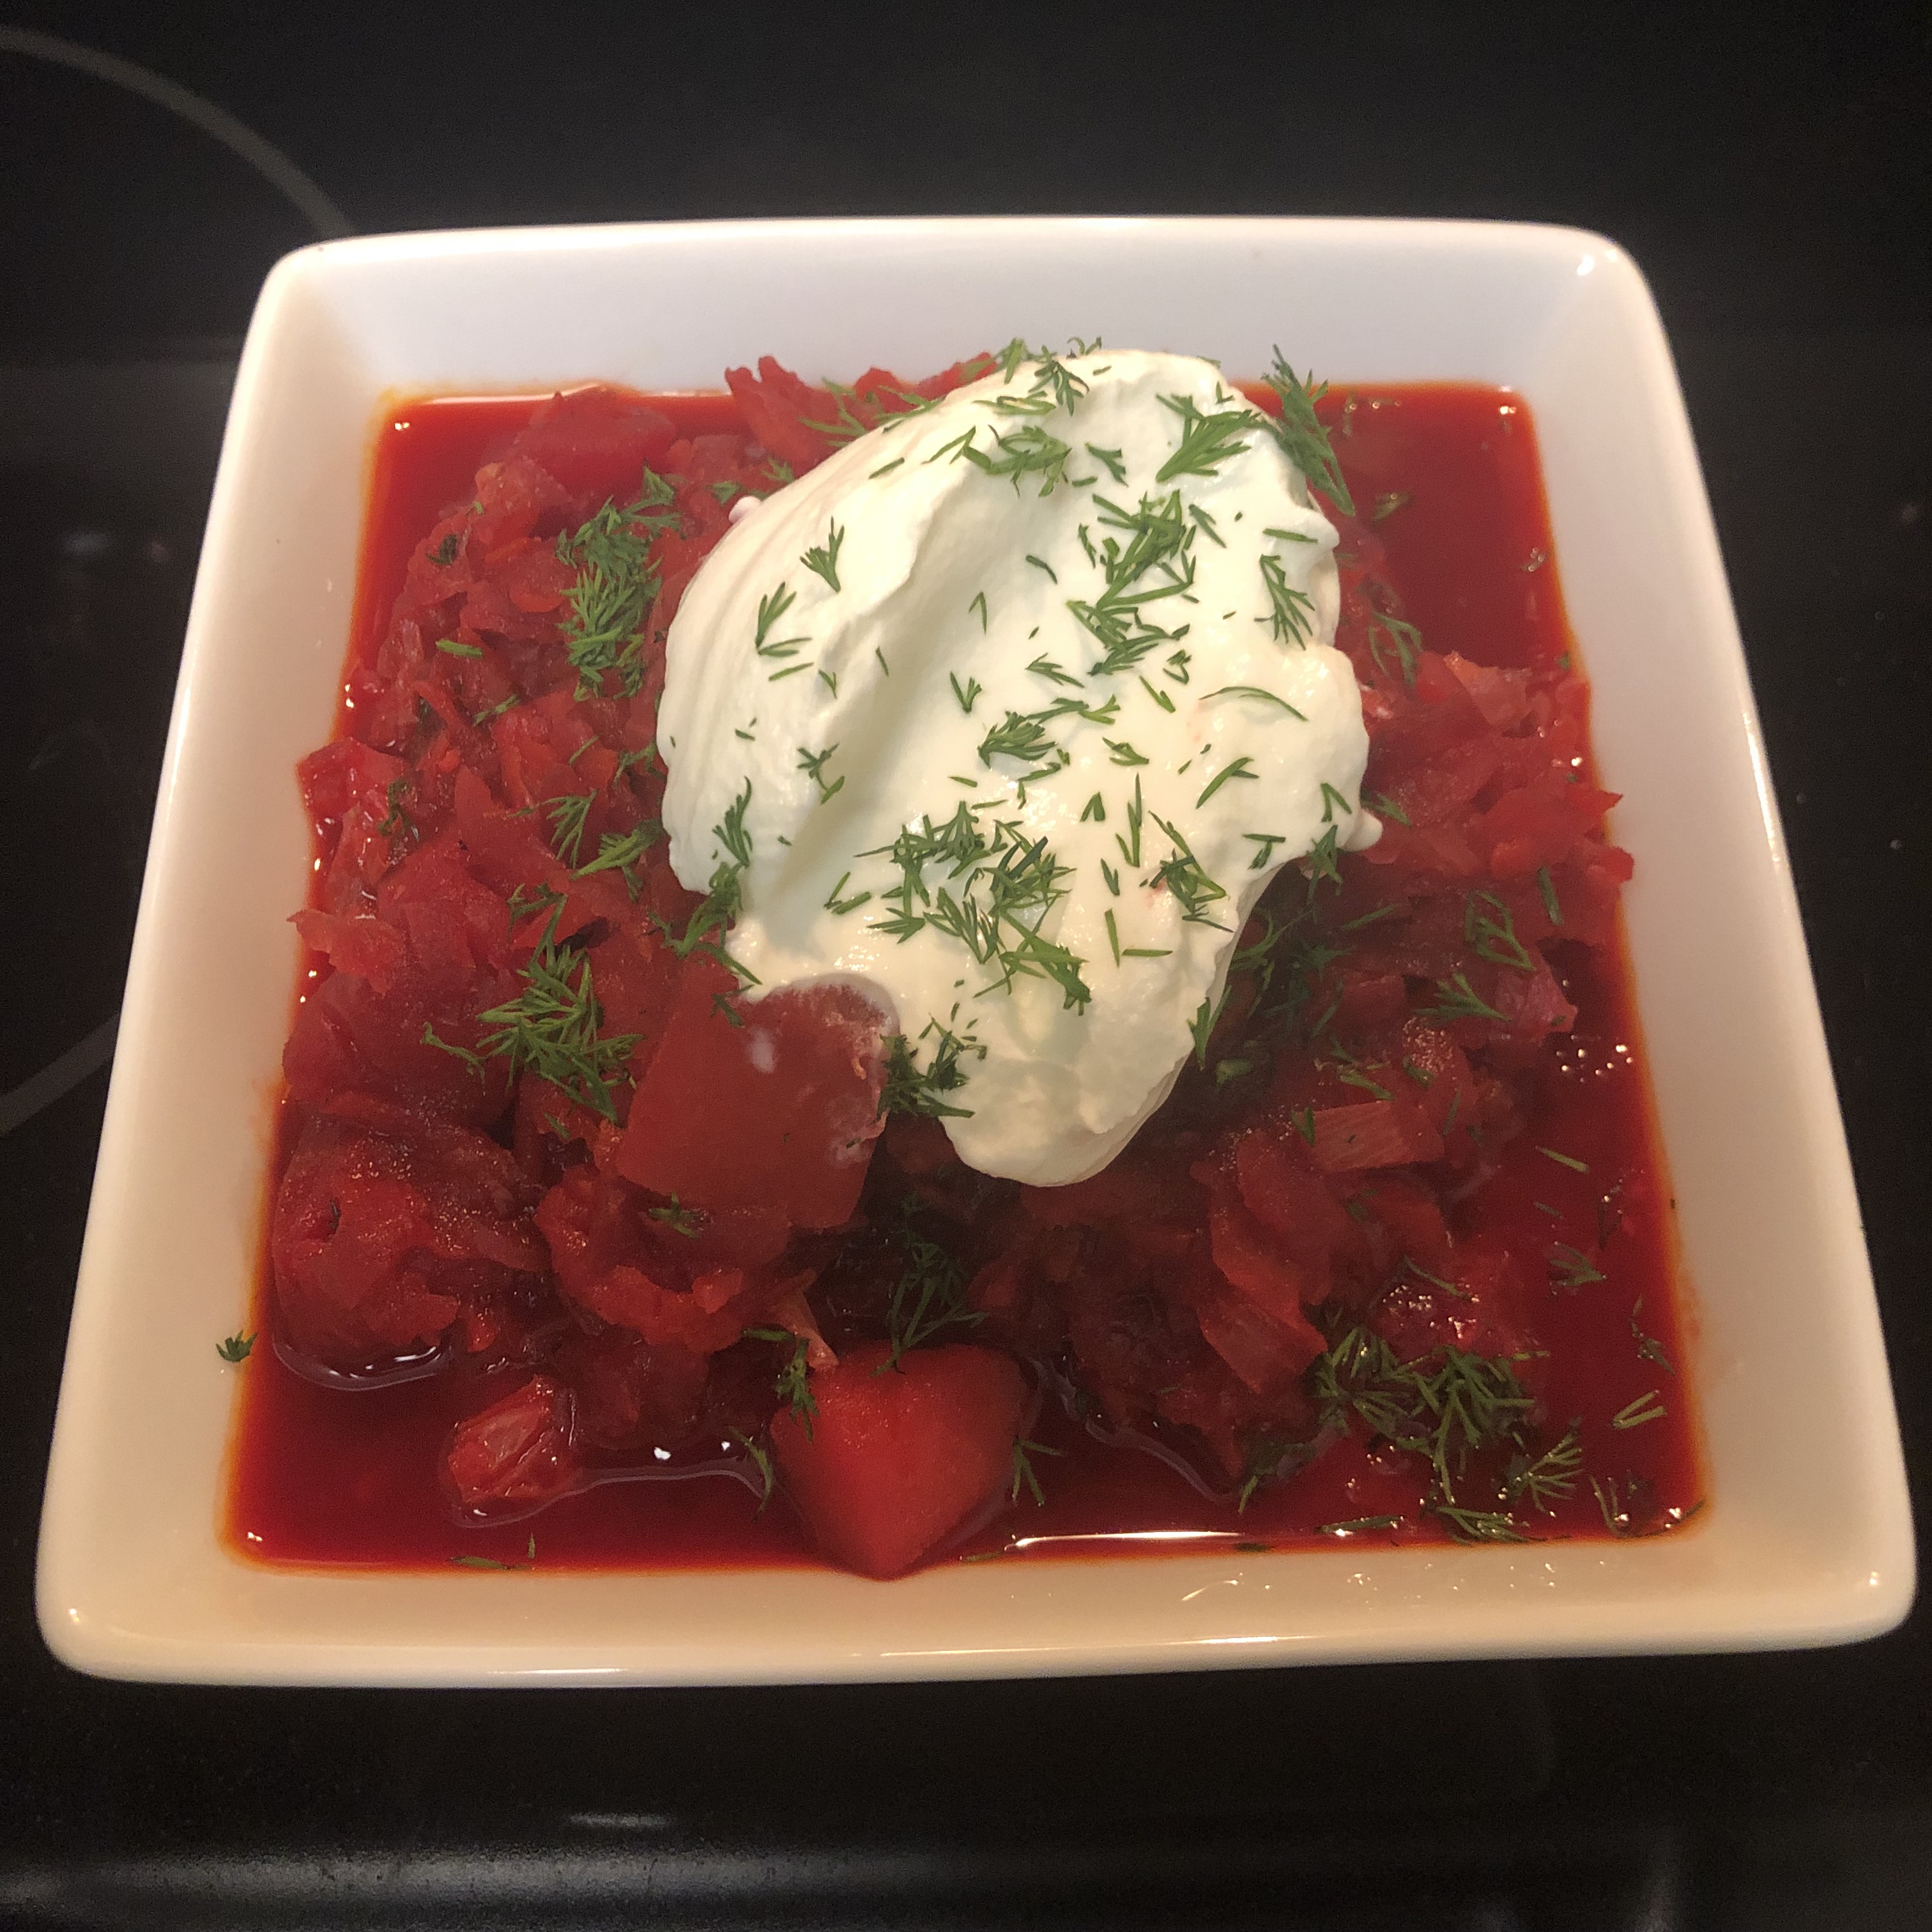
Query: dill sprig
[
  {"x": 1187, "y": 879},
  {"x": 1007, "y": 885},
  {"x": 792, "y": 1385},
  {"x": 1403, "y": 636},
  {"x": 1546, "y": 1480},
  {"x": 1488, "y": 926},
  {"x": 909, "y": 1089},
  {"x": 1647, "y": 1407},
  {"x": 1022, "y": 737},
  {"x": 713, "y": 914},
  {"x": 1043, "y": 666},
  {"x": 1027, "y": 451},
  {"x": 1254, "y": 691},
  {"x": 1290, "y": 612},
  {"x": 1302, "y": 439},
  {"x": 552, "y": 1027},
  {"x": 1444, "y": 1407},
  {"x": 771, "y": 607},
  {"x": 823, "y": 558},
  {"x": 930, "y": 1294},
  {"x": 1025, "y": 1474},
  {"x": 1158, "y": 544},
  {"x": 1206, "y": 442},
  {"x": 615, "y": 586},
  {"x": 1235, "y": 768},
  {"x": 813, "y": 764},
  {"x": 1456, "y": 999},
  {"x": 569, "y": 812},
  {"x": 620, "y": 851}
]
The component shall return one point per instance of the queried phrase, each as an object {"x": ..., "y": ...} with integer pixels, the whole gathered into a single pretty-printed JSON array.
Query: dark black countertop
[{"x": 1769, "y": 172}]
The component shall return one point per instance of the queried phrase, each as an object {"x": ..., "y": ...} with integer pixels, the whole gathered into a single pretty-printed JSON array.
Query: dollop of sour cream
[{"x": 1007, "y": 714}]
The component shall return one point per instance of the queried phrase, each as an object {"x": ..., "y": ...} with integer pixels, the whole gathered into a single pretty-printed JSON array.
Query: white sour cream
[{"x": 860, "y": 712}]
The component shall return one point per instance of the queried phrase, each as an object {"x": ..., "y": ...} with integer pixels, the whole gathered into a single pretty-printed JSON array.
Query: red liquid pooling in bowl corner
[{"x": 1393, "y": 1264}]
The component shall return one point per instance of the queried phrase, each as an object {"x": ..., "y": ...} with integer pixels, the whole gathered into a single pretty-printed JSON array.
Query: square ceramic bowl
[{"x": 1807, "y": 1539}]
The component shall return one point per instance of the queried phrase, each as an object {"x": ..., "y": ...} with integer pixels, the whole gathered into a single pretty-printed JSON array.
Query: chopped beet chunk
[
  {"x": 900, "y": 1455},
  {"x": 772, "y": 1103}
]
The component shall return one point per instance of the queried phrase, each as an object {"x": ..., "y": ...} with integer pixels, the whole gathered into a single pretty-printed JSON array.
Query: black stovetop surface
[{"x": 1769, "y": 172}]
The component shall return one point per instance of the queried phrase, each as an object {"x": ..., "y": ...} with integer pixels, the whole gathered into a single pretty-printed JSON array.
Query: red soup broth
[{"x": 1450, "y": 511}]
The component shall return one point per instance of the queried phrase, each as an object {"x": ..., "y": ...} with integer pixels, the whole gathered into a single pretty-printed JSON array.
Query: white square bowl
[{"x": 1808, "y": 1539}]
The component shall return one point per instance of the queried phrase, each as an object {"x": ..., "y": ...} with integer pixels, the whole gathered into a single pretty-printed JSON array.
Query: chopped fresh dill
[
  {"x": 1022, "y": 737},
  {"x": 1355, "y": 1525},
  {"x": 1130, "y": 845},
  {"x": 1456, "y": 999},
  {"x": 968, "y": 694},
  {"x": 1237, "y": 768},
  {"x": 761, "y": 1460},
  {"x": 397, "y": 820},
  {"x": 792, "y": 1385},
  {"x": 1206, "y": 442},
  {"x": 688, "y": 1222},
  {"x": 569, "y": 811},
  {"x": 1290, "y": 612},
  {"x": 1186, "y": 878},
  {"x": 552, "y": 1027},
  {"x": 1043, "y": 666},
  {"x": 614, "y": 588},
  {"x": 1303, "y": 440},
  {"x": 620, "y": 851},
  {"x": 1026, "y": 451},
  {"x": 430, "y": 1038},
  {"x": 1570, "y": 1268},
  {"x": 1647, "y": 1407},
  {"x": 1201, "y": 1026},
  {"x": 1254, "y": 691},
  {"x": 823, "y": 559},
  {"x": 834, "y": 904},
  {"x": 1324, "y": 860},
  {"x": 1111, "y": 460},
  {"x": 813, "y": 764},
  {"x": 930, "y": 1295},
  {"x": 1469, "y": 1525},
  {"x": 1490, "y": 927},
  {"x": 909, "y": 1090},
  {"x": 1157, "y": 547},
  {"x": 771, "y": 607},
  {"x": 1403, "y": 636},
  {"x": 1544, "y": 1480},
  {"x": 1023, "y": 1473}
]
